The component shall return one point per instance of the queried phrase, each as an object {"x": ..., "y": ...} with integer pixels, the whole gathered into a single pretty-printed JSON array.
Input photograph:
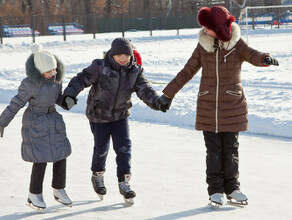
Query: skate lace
[
  {"x": 237, "y": 195},
  {"x": 217, "y": 197},
  {"x": 99, "y": 180},
  {"x": 40, "y": 197},
  {"x": 64, "y": 194},
  {"x": 125, "y": 187}
]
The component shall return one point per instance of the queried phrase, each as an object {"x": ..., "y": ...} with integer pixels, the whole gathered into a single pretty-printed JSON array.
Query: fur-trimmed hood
[
  {"x": 207, "y": 42},
  {"x": 35, "y": 75}
]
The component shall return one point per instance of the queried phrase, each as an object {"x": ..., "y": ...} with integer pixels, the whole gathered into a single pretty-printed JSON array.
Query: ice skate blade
[
  {"x": 38, "y": 209},
  {"x": 65, "y": 204},
  {"x": 100, "y": 196},
  {"x": 215, "y": 204},
  {"x": 129, "y": 201},
  {"x": 234, "y": 202}
]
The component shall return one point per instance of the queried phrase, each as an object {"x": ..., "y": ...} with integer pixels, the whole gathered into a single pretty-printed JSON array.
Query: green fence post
[
  {"x": 177, "y": 23},
  {"x": 64, "y": 28},
  {"x": 93, "y": 25},
  {"x": 1, "y": 33},
  {"x": 123, "y": 25},
  {"x": 84, "y": 23},
  {"x": 32, "y": 29},
  {"x": 150, "y": 24}
]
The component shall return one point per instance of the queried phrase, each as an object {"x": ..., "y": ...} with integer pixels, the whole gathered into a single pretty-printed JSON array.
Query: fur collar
[
  {"x": 207, "y": 42},
  {"x": 35, "y": 75}
]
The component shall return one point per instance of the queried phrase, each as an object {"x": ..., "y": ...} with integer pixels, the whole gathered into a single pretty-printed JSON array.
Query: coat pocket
[
  {"x": 234, "y": 93},
  {"x": 38, "y": 126},
  {"x": 203, "y": 93},
  {"x": 60, "y": 124}
]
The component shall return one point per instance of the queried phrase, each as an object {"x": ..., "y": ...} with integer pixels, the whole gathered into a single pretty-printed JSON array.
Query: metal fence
[{"x": 92, "y": 23}]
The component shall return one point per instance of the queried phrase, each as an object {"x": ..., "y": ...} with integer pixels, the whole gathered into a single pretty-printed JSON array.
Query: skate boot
[
  {"x": 126, "y": 191},
  {"x": 62, "y": 197},
  {"x": 237, "y": 197},
  {"x": 36, "y": 202},
  {"x": 98, "y": 183},
  {"x": 217, "y": 200}
]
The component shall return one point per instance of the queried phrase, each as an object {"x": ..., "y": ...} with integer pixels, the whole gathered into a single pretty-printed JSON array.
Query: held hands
[
  {"x": 1, "y": 131},
  {"x": 267, "y": 61},
  {"x": 69, "y": 102},
  {"x": 163, "y": 103}
]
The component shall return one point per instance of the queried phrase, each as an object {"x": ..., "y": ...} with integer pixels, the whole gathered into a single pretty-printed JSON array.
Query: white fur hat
[{"x": 44, "y": 61}]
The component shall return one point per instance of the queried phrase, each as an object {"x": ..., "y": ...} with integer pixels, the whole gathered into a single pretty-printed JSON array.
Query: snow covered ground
[
  {"x": 168, "y": 155},
  {"x": 268, "y": 90}
]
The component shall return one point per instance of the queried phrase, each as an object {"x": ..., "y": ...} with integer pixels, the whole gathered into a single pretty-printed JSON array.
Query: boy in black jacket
[{"x": 112, "y": 80}]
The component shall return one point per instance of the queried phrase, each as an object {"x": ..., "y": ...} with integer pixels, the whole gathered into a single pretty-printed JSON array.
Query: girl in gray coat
[{"x": 43, "y": 130}]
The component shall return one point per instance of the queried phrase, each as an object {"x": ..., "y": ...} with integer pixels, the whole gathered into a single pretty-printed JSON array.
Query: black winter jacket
[{"x": 112, "y": 85}]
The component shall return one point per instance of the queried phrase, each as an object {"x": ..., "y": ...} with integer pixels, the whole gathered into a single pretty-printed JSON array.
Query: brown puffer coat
[{"x": 221, "y": 103}]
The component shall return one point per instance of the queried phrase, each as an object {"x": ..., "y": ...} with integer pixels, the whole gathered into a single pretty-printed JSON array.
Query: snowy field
[
  {"x": 268, "y": 89},
  {"x": 168, "y": 155}
]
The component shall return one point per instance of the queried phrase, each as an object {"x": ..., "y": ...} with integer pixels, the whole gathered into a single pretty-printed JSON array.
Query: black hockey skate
[
  {"x": 126, "y": 190},
  {"x": 98, "y": 183}
]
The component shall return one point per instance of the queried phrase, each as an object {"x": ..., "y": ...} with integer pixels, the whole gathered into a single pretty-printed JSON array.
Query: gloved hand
[
  {"x": 69, "y": 102},
  {"x": 163, "y": 103},
  {"x": 1, "y": 131},
  {"x": 267, "y": 61}
]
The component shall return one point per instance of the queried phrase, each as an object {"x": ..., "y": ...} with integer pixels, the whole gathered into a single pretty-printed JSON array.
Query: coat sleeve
[
  {"x": 16, "y": 103},
  {"x": 60, "y": 97},
  {"x": 251, "y": 55},
  {"x": 185, "y": 75},
  {"x": 82, "y": 80},
  {"x": 144, "y": 90}
]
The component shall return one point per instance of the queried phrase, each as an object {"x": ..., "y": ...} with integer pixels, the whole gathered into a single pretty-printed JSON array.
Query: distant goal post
[{"x": 263, "y": 17}]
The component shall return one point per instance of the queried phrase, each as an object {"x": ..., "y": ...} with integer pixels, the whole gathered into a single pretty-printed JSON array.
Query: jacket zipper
[
  {"x": 226, "y": 55},
  {"x": 217, "y": 91},
  {"x": 116, "y": 98},
  {"x": 217, "y": 85}
]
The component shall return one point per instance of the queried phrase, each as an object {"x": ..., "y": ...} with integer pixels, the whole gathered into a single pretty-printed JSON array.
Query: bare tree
[
  {"x": 87, "y": 6},
  {"x": 108, "y": 8},
  {"x": 26, "y": 5}
]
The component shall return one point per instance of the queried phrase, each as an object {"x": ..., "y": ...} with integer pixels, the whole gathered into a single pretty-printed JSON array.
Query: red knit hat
[{"x": 217, "y": 19}]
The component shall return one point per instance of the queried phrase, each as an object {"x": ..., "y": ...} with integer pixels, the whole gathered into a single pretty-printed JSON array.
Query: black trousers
[
  {"x": 222, "y": 162},
  {"x": 38, "y": 173}
]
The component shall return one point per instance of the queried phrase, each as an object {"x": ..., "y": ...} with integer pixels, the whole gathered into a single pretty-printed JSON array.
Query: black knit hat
[{"x": 121, "y": 46}]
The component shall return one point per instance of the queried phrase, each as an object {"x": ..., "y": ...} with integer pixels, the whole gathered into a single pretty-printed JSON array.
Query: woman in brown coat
[{"x": 221, "y": 103}]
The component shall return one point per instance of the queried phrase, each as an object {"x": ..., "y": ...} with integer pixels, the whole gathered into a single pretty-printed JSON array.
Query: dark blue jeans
[{"x": 119, "y": 132}]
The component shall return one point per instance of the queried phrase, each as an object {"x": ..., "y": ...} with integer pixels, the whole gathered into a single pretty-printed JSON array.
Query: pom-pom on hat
[
  {"x": 217, "y": 19},
  {"x": 121, "y": 46},
  {"x": 43, "y": 60}
]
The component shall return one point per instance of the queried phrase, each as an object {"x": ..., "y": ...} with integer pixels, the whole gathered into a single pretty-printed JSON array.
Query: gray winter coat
[
  {"x": 112, "y": 85},
  {"x": 43, "y": 130}
]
